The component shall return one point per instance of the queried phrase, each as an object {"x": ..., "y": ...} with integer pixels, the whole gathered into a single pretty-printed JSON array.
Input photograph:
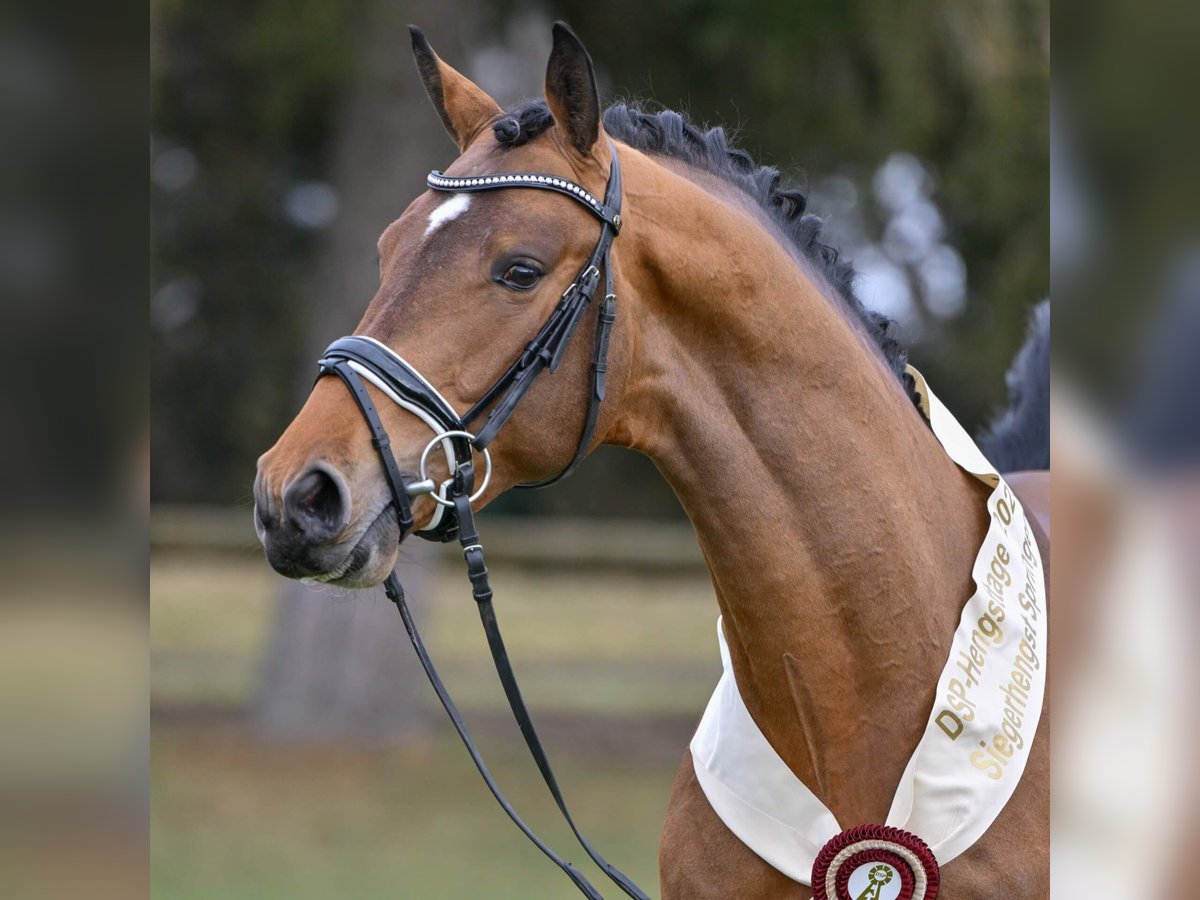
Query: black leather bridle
[{"x": 357, "y": 359}]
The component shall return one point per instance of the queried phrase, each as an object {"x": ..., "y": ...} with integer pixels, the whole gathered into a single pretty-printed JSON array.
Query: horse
[{"x": 838, "y": 535}]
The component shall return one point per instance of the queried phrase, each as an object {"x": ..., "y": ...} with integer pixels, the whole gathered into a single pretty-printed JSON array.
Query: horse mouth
[{"x": 358, "y": 569}]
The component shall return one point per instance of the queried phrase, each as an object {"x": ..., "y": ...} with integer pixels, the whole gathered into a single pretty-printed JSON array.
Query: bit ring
[{"x": 437, "y": 439}]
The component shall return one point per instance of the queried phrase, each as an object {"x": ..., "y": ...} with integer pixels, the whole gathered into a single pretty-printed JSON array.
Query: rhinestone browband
[{"x": 438, "y": 181}]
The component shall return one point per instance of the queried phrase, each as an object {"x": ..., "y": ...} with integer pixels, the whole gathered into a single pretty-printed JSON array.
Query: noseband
[{"x": 357, "y": 359}]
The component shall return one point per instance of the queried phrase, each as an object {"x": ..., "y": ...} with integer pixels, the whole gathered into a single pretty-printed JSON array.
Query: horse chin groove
[
  {"x": 375, "y": 554},
  {"x": 371, "y": 574}
]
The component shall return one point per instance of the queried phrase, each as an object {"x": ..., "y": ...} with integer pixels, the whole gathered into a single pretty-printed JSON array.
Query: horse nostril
[{"x": 314, "y": 503}]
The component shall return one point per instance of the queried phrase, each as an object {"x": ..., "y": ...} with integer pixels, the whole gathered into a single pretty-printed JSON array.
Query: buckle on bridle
[
  {"x": 587, "y": 279},
  {"x": 429, "y": 486}
]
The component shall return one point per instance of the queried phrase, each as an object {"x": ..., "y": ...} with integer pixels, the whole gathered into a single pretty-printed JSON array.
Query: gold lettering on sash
[{"x": 958, "y": 703}]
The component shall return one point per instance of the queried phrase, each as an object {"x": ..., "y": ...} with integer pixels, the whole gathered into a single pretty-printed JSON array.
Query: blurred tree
[
  {"x": 344, "y": 669},
  {"x": 242, "y": 104}
]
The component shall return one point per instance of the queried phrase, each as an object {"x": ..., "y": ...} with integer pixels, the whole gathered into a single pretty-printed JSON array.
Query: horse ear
[
  {"x": 465, "y": 108},
  {"x": 571, "y": 90}
]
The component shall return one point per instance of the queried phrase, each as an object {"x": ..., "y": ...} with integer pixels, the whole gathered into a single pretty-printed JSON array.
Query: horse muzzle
[{"x": 307, "y": 531}]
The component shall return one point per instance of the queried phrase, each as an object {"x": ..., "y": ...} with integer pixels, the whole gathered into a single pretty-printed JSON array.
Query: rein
[{"x": 358, "y": 358}]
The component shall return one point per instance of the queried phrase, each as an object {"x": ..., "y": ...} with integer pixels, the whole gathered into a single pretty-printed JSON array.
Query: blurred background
[{"x": 296, "y": 748}]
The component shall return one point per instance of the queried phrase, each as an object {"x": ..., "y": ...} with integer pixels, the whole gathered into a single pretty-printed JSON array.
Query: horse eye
[{"x": 521, "y": 277}]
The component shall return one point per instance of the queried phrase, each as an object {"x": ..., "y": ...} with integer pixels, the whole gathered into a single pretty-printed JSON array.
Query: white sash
[{"x": 989, "y": 698}]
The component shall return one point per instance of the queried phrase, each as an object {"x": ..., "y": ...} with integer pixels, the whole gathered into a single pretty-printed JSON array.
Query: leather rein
[{"x": 359, "y": 359}]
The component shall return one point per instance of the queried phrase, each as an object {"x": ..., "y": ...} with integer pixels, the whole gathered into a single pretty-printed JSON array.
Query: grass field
[{"x": 618, "y": 667}]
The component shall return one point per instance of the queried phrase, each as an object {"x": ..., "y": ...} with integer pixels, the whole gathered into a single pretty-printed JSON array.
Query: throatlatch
[{"x": 358, "y": 358}]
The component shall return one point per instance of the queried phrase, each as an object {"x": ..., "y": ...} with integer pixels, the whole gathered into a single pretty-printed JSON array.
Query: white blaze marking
[{"x": 451, "y": 209}]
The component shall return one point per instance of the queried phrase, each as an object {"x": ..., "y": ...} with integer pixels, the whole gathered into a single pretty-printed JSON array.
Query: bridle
[
  {"x": 367, "y": 358},
  {"x": 357, "y": 359}
]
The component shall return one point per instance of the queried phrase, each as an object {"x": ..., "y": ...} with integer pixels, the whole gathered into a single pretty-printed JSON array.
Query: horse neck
[{"x": 838, "y": 535}]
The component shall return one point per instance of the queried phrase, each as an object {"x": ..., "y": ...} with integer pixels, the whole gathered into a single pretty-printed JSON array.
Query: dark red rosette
[{"x": 877, "y": 846}]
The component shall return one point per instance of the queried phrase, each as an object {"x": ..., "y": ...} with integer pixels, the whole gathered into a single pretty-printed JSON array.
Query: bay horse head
[{"x": 466, "y": 279}]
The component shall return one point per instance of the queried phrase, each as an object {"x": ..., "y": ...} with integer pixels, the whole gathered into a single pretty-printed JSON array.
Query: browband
[{"x": 611, "y": 215}]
